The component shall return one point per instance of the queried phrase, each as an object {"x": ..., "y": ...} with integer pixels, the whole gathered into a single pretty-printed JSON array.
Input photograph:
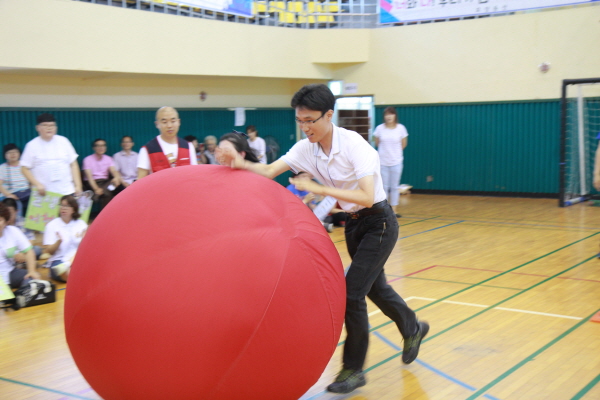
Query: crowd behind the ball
[{"x": 98, "y": 180}]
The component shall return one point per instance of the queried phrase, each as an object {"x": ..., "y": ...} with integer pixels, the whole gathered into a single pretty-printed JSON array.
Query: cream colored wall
[
  {"x": 63, "y": 53},
  {"x": 480, "y": 60}
]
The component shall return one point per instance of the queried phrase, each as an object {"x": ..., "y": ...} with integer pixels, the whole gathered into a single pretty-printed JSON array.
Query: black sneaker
[
  {"x": 347, "y": 381},
  {"x": 412, "y": 344}
]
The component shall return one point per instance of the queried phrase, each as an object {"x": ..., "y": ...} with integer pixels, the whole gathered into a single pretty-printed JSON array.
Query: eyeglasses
[{"x": 310, "y": 121}]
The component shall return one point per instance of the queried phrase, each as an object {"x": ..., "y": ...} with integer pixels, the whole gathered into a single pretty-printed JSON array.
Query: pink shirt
[{"x": 99, "y": 168}]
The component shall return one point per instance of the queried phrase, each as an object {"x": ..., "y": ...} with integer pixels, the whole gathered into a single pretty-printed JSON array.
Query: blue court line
[
  {"x": 44, "y": 388},
  {"x": 429, "y": 230},
  {"x": 431, "y": 368}
]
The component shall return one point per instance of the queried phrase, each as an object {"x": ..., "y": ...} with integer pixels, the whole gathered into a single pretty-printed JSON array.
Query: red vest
[{"x": 158, "y": 159}]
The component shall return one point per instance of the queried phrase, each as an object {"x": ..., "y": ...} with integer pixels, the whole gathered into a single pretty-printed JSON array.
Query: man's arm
[
  {"x": 142, "y": 173},
  {"x": 90, "y": 178},
  {"x": 76, "y": 176},
  {"x": 30, "y": 262},
  {"x": 235, "y": 160},
  {"x": 117, "y": 178},
  {"x": 34, "y": 182},
  {"x": 364, "y": 195}
]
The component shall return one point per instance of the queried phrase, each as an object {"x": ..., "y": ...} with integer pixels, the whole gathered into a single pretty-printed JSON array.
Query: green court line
[
  {"x": 499, "y": 220},
  {"x": 541, "y": 228},
  {"x": 410, "y": 223},
  {"x": 531, "y": 357},
  {"x": 587, "y": 388},
  {"x": 44, "y": 388},
  {"x": 421, "y": 220},
  {"x": 460, "y": 283},
  {"x": 479, "y": 313},
  {"x": 494, "y": 277}
]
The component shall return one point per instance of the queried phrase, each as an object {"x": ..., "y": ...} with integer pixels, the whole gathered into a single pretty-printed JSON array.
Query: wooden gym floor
[{"x": 508, "y": 285}]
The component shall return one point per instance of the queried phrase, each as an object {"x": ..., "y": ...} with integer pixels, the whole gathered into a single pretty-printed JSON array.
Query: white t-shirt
[
  {"x": 169, "y": 149},
  {"x": 260, "y": 149},
  {"x": 71, "y": 235},
  {"x": 50, "y": 163},
  {"x": 390, "y": 144},
  {"x": 12, "y": 241},
  {"x": 351, "y": 158}
]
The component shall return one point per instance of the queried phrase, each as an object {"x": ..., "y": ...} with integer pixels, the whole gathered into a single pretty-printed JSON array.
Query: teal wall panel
[
  {"x": 82, "y": 126},
  {"x": 510, "y": 147}
]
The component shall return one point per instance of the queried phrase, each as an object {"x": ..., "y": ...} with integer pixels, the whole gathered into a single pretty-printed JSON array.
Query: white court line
[
  {"x": 498, "y": 308},
  {"x": 378, "y": 311}
]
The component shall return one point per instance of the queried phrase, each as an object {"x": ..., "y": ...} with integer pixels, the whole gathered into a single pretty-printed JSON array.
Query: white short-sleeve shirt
[
  {"x": 390, "y": 144},
  {"x": 169, "y": 149},
  {"x": 50, "y": 163},
  {"x": 260, "y": 148},
  {"x": 12, "y": 241},
  {"x": 71, "y": 235},
  {"x": 351, "y": 158}
]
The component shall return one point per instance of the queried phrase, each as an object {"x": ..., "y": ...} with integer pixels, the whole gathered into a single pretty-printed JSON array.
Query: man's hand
[
  {"x": 307, "y": 185},
  {"x": 41, "y": 189},
  {"x": 99, "y": 191},
  {"x": 230, "y": 157}
]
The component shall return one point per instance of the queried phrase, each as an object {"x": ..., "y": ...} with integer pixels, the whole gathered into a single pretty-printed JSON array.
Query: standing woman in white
[{"x": 391, "y": 139}]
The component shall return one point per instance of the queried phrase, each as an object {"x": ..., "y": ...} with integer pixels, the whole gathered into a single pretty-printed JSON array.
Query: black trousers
[{"x": 370, "y": 240}]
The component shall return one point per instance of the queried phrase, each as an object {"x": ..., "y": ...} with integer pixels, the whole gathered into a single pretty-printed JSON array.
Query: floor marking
[
  {"x": 429, "y": 230},
  {"x": 431, "y": 368},
  {"x": 44, "y": 388},
  {"x": 500, "y": 308},
  {"x": 531, "y": 357},
  {"x": 586, "y": 388},
  {"x": 516, "y": 273}
]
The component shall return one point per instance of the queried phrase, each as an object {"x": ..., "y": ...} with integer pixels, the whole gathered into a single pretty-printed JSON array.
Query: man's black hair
[
  {"x": 98, "y": 140},
  {"x": 45, "y": 117},
  {"x": 316, "y": 97},
  {"x": 190, "y": 138}
]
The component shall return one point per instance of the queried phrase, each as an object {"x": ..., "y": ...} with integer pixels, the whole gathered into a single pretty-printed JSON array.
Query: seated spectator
[
  {"x": 13, "y": 242},
  {"x": 13, "y": 183},
  {"x": 17, "y": 220},
  {"x": 257, "y": 144},
  {"x": 62, "y": 238},
  {"x": 126, "y": 162},
  {"x": 200, "y": 158},
  {"x": 308, "y": 198},
  {"x": 98, "y": 168},
  {"x": 237, "y": 141},
  {"x": 210, "y": 145},
  {"x": 337, "y": 216},
  {"x": 49, "y": 162}
]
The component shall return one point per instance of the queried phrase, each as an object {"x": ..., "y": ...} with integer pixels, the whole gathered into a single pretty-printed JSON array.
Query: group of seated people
[
  {"x": 106, "y": 176},
  {"x": 206, "y": 152}
]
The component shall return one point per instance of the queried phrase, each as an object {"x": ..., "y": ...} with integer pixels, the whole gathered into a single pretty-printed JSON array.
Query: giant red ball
[{"x": 203, "y": 282}]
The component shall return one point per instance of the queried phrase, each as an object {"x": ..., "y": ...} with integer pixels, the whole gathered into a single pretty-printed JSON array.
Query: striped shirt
[{"x": 12, "y": 178}]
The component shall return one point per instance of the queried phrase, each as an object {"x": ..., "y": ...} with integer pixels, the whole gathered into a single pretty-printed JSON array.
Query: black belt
[{"x": 376, "y": 208}]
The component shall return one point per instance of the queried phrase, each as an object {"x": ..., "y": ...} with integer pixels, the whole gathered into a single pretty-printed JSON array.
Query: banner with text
[
  {"x": 392, "y": 11},
  {"x": 43, "y": 209},
  {"x": 240, "y": 7}
]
